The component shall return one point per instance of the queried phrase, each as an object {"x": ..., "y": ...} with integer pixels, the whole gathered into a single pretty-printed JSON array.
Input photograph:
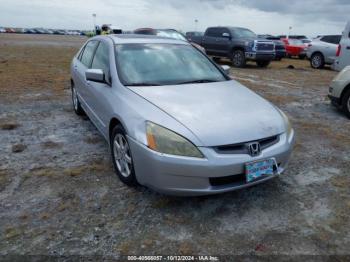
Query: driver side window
[{"x": 101, "y": 60}]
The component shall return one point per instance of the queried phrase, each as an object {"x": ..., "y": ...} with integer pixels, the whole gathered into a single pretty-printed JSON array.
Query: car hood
[{"x": 217, "y": 113}]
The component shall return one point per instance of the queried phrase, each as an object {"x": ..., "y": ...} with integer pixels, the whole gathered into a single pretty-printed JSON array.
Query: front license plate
[{"x": 258, "y": 169}]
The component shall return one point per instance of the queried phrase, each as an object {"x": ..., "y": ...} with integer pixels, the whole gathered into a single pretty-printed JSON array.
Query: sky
[{"x": 309, "y": 17}]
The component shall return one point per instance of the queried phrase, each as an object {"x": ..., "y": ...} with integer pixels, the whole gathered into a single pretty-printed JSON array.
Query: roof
[{"x": 138, "y": 38}]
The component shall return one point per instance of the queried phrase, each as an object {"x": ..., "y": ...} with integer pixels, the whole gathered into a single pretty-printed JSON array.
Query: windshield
[
  {"x": 243, "y": 33},
  {"x": 295, "y": 42},
  {"x": 306, "y": 41},
  {"x": 171, "y": 34},
  {"x": 164, "y": 64}
]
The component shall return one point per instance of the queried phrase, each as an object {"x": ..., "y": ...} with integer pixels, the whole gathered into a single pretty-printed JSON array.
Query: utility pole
[
  {"x": 290, "y": 30},
  {"x": 94, "y": 18}
]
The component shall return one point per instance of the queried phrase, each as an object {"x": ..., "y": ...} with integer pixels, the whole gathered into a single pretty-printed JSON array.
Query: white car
[
  {"x": 339, "y": 91},
  {"x": 343, "y": 52},
  {"x": 2, "y": 30}
]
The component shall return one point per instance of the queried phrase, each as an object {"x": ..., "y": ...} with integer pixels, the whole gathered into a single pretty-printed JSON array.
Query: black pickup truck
[{"x": 238, "y": 44}]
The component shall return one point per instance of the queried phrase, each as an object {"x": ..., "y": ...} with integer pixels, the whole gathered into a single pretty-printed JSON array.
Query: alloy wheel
[
  {"x": 75, "y": 99},
  {"x": 122, "y": 155},
  {"x": 316, "y": 61}
]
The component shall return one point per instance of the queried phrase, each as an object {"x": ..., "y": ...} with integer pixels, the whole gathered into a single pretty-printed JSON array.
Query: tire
[
  {"x": 76, "y": 104},
  {"x": 346, "y": 103},
  {"x": 122, "y": 157},
  {"x": 216, "y": 59},
  {"x": 302, "y": 57},
  {"x": 317, "y": 61},
  {"x": 238, "y": 58},
  {"x": 262, "y": 63}
]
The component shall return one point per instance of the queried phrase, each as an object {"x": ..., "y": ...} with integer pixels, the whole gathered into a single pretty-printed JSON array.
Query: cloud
[{"x": 273, "y": 16}]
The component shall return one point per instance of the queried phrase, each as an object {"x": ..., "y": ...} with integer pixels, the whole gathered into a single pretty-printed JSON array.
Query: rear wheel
[
  {"x": 262, "y": 63},
  {"x": 76, "y": 104},
  {"x": 238, "y": 58},
  {"x": 122, "y": 157},
  {"x": 317, "y": 61},
  {"x": 346, "y": 103}
]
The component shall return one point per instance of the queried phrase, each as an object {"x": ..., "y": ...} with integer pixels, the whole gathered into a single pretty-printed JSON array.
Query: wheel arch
[
  {"x": 317, "y": 52},
  {"x": 345, "y": 90},
  {"x": 234, "y": 48},
  {"x": 112, "y": 123}
]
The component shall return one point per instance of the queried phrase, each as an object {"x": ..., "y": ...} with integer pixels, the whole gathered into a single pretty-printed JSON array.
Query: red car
[{"x": 295, "y": 47}]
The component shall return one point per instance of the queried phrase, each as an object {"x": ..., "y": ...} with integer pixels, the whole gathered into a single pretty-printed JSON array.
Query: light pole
[
  {"x": 94, "y": 18},
  {"x": 290, "y": 30},
  {"x": 196, "y": 24}
]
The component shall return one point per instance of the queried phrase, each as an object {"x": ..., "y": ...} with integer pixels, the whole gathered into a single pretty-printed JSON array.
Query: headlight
[
  {"x": 287, "y": 123},
  {"x": 165, "y": 141}
]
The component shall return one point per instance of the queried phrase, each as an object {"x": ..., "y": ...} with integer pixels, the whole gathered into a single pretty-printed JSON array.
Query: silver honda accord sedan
[{"x": 175, "y": 122}]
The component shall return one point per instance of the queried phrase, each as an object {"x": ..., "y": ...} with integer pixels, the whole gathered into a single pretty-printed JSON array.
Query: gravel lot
[{"x": 59, "y": 194}]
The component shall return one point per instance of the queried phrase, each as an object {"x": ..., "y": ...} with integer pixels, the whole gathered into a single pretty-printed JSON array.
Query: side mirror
[
  {"x": 226, "y": 69},
  {"x": 95, "y": 75},
  {"x": 226, "y": 35}
]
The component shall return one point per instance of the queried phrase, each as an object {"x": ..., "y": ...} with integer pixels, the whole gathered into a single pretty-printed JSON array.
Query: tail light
[{"x": 338, "y": 50}]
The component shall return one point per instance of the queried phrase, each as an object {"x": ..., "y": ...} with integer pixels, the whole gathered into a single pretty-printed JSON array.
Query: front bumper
[
  {"x": 217, "y": 173},
  {"x": 335, "y": 101},
  {"x": 260, "y": 56}
]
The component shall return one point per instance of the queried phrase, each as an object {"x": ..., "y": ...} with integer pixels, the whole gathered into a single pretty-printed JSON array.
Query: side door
[
  {"x": 223, "y": 41},
  {"x": 329, "y": 49},
  {"x": 209, "y": 41},
  {"x": 101, "y": 92},
  {"x": 80, "y": 67},
  {"x": 344, "y": 59}
]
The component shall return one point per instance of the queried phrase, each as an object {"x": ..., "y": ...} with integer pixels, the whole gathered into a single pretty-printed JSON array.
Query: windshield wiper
[
  {"x": 143, "y": 84},
  {"x": 198, "y": 81}
]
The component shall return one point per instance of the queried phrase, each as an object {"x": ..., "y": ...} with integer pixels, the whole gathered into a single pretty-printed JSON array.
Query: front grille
[
  {"x": 264, "y": 46},
  {"x": 242, "y": 148},
  {"x": 237, "y": 180}
]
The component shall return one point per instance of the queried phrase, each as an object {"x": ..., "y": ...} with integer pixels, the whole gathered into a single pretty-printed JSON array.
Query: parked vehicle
[
  {"x": 300, "y": 37},
  {"x": 194, "y": 33},
  {"x": 343, "y": 53},
  {"x": 280, "y": 49},
  {"x": 169, "y": 33},
  {"x": 339, "y": 91},
  {"x": 322, "y": 50},
  {"x": 2, "y": 30},
  {"x": 238, "y": 44},
  {"x": 10, "y": 30},
  {"x": 170, "y": 116},
  {"x": 294, "y": 47}
]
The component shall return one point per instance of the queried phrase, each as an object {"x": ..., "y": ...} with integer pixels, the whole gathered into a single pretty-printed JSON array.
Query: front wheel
[
  {"x": 346, "y": 103},
  {"x": 122, "y": 158},
  {"x": 238, "y": 58},
  {"x": 76, "y": 103},
  {"x": 302, "y": 57},
  {"x": 262, "y": 63}
]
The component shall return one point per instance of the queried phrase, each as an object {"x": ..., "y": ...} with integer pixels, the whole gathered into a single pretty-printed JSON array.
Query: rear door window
[
  {"x": 213, "y": 32},
  {"x": 88, "y": 53}
]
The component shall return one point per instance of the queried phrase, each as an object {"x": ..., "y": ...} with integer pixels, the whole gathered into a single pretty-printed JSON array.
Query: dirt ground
[{"x": 59, "y": 194}]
